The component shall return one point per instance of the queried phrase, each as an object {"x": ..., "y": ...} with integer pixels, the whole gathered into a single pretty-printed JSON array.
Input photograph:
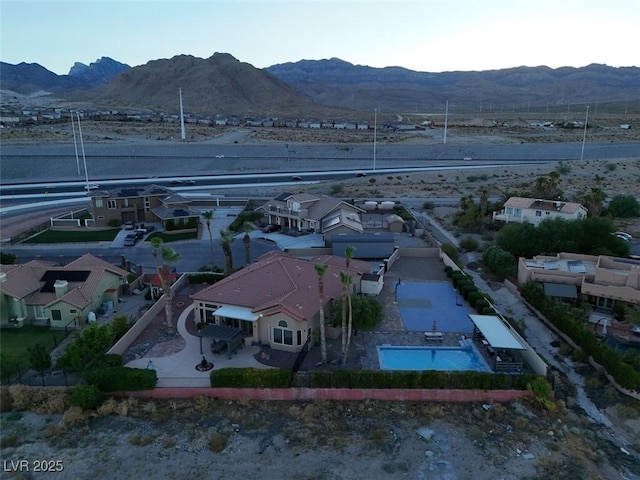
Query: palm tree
[
  {"x": 346, "y": 280},
  {"x": 208, "y": 216},
  {"x": 321, "y": 270},
  {"x": 593, "y": 201},
  {"x": 247, "y": 242},
  {"x": 346, "y": 329},
  {"x": 168, "y": 255},
  {"x": 484, "y": 201},
  {"x": 227, "y": 237}
]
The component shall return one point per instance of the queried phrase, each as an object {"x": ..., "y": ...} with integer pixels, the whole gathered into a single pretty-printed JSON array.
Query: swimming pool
[{"x": 431, "y": 358}]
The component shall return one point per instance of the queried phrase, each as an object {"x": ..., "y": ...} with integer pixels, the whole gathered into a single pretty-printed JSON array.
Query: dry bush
[
  {"x": 9, "y": 441},
  {"x": 6, "y": 402},
  {"x": 169, "y": 442},
  {"x": 73, "y": 416},
  {"x": 218, "y": 442},
  {"x": 127, "y": 406},
  {"x": 52, "y": 430},
  {"x": 202, "y": 403},
  {"x": 142, "y": 440},
  {"x": 45, "y": 400},
  {"x": 108, "y": 407}
]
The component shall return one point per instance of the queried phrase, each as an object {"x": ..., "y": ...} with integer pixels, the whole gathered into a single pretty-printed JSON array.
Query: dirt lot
[{"x": 316, "y": 440}]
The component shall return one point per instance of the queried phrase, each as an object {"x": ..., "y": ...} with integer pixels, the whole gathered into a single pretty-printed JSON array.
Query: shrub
[
  {"x": 469, "y": 244},
  {"x": 121, "y": 379},
  {"x": 85, "y": 396},
  {"x": 119, "y": 326},
  {"x": 217, "y": 442},
  {"x": 451, "y": 252},
  {"x": 251, "y": 378}
]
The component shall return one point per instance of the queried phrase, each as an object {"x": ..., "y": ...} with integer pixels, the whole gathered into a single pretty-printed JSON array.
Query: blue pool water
[{"x": 431, "y": 358}]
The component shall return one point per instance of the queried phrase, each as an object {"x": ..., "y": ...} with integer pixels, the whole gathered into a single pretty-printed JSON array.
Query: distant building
[{"x": 534, "y": 210}]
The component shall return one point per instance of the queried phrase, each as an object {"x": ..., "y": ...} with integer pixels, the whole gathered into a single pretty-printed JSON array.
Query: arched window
[{"x": 282, "y": 334}]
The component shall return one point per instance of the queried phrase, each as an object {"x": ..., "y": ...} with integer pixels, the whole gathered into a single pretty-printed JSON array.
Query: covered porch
[{"x": 500, "y": 343}]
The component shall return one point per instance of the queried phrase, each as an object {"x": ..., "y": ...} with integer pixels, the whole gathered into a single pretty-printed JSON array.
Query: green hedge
[
  {"x": 624, "y": 373},
  {"x": 251, "y": 378},
  {"x": 121, "y": 379},
  {"x": 428, "y": 379}
]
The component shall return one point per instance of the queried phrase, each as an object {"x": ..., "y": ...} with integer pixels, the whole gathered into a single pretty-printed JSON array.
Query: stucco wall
[{"x": 128, "y": 338}]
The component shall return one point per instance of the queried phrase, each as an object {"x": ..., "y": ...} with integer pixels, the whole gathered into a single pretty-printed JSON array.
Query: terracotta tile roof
[
  {"x": 25, "y": 279},
  {"x": 280, "y": 282},
  {"x": 540, "y": 204}
]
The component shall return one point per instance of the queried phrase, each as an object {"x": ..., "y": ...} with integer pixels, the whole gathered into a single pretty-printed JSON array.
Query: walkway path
[{"x": 179, "y": 369}]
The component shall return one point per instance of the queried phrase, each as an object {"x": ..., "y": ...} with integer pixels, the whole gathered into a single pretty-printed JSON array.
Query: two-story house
[
  {"x": 534, "y": 210},
  {"x": 306, "y": 212},
  {"x": 141, "y": 204}
]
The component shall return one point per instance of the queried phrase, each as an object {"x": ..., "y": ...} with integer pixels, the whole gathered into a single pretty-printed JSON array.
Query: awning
[
  {"x": 496, "y": 332},
  {"x": 219, "y": 333},
  {"x": 560, "y": 290},
  {"x": 239, "y": 313}
]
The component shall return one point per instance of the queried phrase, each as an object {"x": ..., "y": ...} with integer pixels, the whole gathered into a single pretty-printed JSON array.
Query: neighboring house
[
  {"x": 42, "y": 293},
  {"x": 534, "y": 210},
  {"x": 601, "y": 280},
  {"x": 275, "y": 300},
  {"x": 144, "y": 204},
  {"x": 155, "y": 284},
  {"x": 306, "y": 212}
]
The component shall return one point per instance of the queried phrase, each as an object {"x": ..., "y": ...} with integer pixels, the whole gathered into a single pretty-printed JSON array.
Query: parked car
[
  {"x": 361, "y": 174},
  {"x": 129, "y": 225},
  {"x": 624, "y": 236},
  {"x": 271, "y": 228},
  {"x": 91, "y": 186},
  {"x": 130, "y": 240},
  {"x": 296, "y": 178}
]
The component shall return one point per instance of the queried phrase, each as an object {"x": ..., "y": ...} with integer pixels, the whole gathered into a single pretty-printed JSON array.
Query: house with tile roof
[
  {"x": 306, "y": 212},
  {"x": 275, "y": 299},
  {"x": 535, "y": 210},
  {"x": 43, "y": 293},
  {"x": 143, "y": 204}
]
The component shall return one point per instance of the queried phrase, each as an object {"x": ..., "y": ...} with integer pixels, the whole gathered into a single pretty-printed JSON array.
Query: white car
[
  {"x": 466, "y": 159},
  {"x": 91, "y": 186},
  {"x": 623, "y": 235}
]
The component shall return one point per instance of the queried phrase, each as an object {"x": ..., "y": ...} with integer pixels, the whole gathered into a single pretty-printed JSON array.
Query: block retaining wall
[{"x": 293, "y": 394}]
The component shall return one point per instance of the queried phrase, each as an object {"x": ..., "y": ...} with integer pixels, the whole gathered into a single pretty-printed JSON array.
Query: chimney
[{"x": 61, "y": 287}]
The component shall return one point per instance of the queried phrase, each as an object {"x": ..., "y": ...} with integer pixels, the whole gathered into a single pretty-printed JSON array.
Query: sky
[{"x": 422, "y": 35}]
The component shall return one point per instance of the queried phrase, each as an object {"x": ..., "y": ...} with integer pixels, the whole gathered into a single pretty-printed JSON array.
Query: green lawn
[
  {"x": 14, "y": 343},
  {"x": 166, "y": 237},
  {"x": 81, "y": 236}
]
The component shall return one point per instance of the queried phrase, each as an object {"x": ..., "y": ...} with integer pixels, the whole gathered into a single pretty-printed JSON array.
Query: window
[
  {"x": 112, "y": 204},
  {"x": 538, "y": 213},
  {"x": 281, "y": 334},
  {"x": 99, "y": 203},
  {"x": 56, "y": 315},
  {"x": 147, "y": 204},
  {"x": 73, "y": 310}
]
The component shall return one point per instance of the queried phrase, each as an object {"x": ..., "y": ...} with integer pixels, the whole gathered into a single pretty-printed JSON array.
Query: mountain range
[{"x": 223, "y": 84}]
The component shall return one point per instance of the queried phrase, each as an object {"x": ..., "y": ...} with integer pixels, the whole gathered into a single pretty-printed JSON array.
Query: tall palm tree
[
  {"x": 227, "y": 238},
  {"x": 208, "y": 216},
  {"x": 321, "y": 270},
  {"x": 247, "y": 242},
  {"x": 345, "y": 280},
  {"x": 484, "y": 201},
  {"x": 168, "y": 255},
  {"x": 346, "y": 329}
]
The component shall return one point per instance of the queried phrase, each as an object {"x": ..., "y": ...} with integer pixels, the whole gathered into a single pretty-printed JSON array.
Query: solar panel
[
  {"x": 576, "y": 266},
  {"x": 50, "y": 276}
]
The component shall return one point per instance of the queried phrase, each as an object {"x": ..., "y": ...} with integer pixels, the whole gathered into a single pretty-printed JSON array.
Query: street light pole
[
  {"x": 584, "y": 135},
  {"x": 375, "y": 133}
]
